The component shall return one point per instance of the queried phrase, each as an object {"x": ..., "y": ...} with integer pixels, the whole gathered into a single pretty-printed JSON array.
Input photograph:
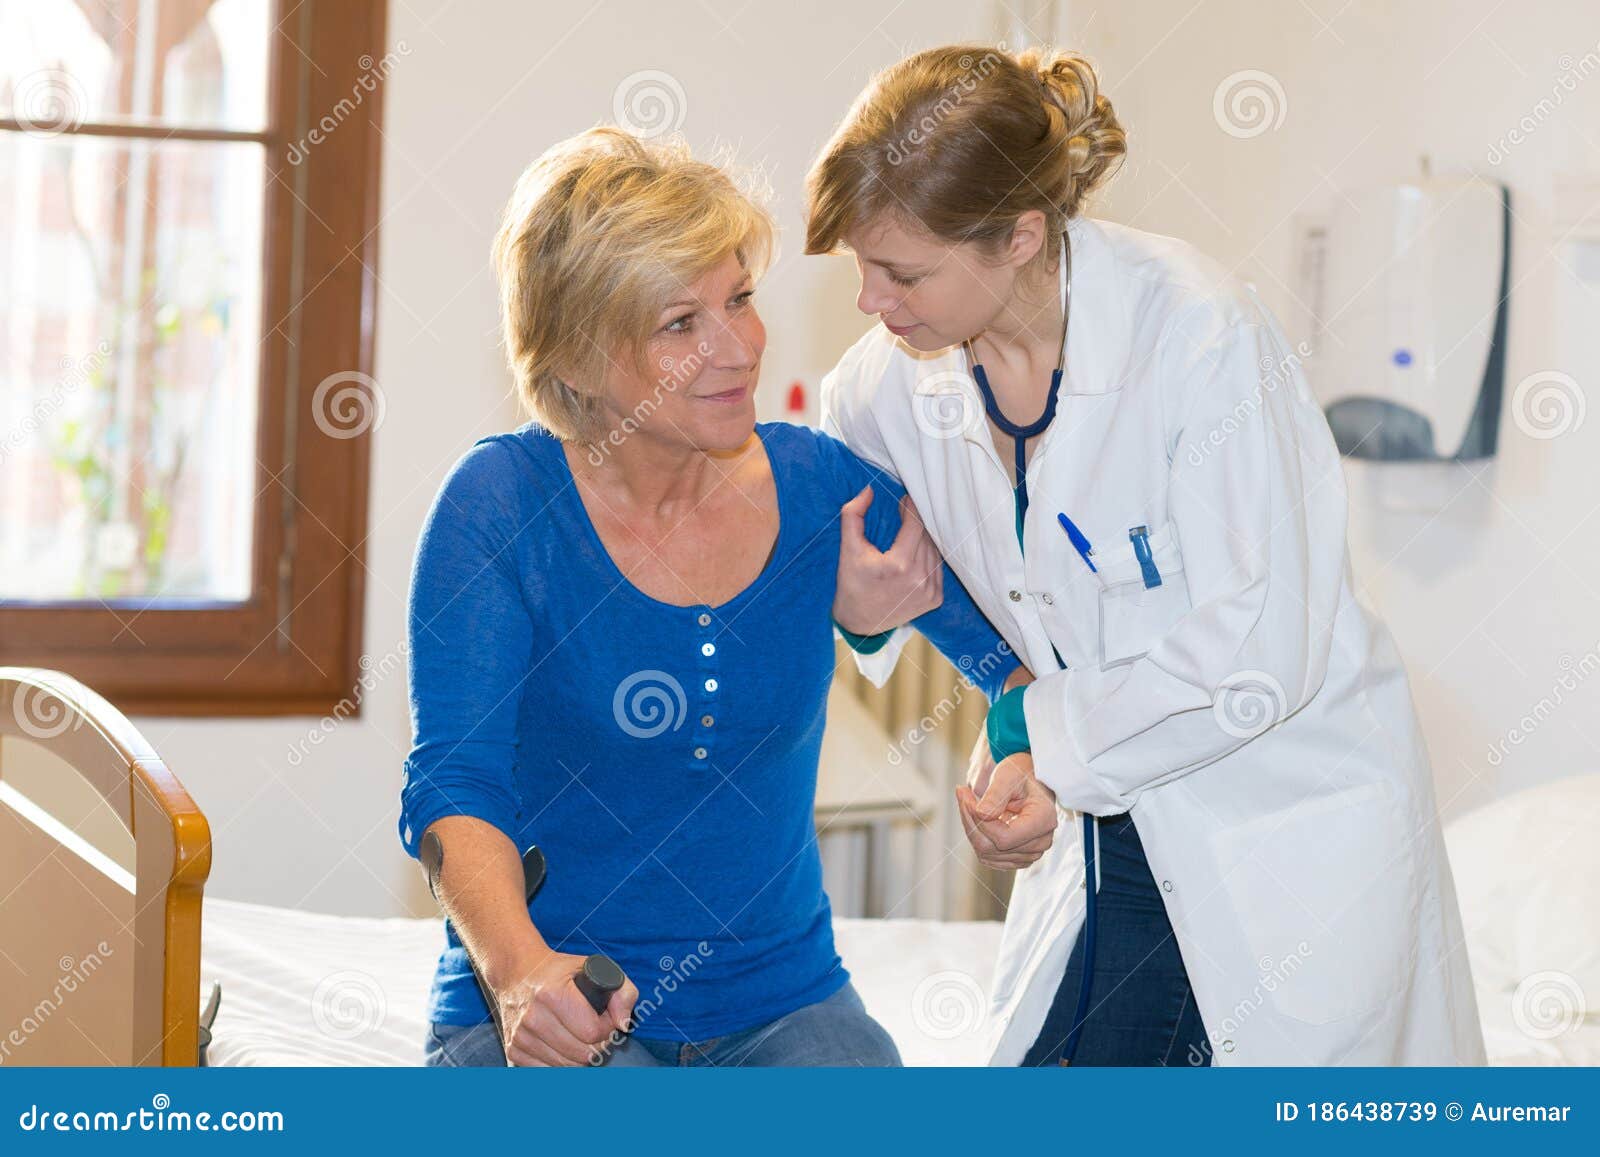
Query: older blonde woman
[{"x": 621, "y": 633}]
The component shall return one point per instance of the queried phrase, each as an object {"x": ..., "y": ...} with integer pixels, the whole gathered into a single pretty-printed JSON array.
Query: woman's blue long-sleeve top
[{"x": 663, "y": 757}]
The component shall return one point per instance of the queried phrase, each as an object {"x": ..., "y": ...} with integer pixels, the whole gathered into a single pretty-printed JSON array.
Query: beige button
[
  {"x": 705, "y": 620},
  {"x": 1015, "y": 596},
  {"x": 706, "y": 720},
  {"x": 699, "y": 753}
]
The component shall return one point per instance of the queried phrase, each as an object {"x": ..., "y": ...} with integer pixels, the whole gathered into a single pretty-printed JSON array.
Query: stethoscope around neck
[{"x": 1019, "y": 433}]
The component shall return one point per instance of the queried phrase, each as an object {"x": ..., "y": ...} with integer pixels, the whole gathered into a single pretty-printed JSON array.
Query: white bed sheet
[
  {"x": 302, "y": 988},
  {"x": 307, "y": 989}
]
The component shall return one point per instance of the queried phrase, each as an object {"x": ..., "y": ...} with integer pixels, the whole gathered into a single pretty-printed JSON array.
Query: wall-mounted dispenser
[{"x": 1405, "y": 287}]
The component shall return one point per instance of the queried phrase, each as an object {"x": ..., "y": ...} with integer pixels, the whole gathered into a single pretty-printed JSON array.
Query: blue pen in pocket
[
  {"x": 1140, "y": 537},
  {"x": 1079, "y": 542}
]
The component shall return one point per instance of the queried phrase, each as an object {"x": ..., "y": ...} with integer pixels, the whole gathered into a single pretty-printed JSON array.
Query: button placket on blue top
[{"x": 709, "y": 666}]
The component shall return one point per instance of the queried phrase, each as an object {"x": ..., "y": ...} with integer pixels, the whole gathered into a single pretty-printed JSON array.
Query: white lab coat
[{"x": 1249, "y": 712}]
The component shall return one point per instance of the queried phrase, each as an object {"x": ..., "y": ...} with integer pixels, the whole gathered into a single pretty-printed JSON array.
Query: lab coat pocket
[
  {"x": 1134, "y": 617},
  {"x": 1326, "y": 894}
]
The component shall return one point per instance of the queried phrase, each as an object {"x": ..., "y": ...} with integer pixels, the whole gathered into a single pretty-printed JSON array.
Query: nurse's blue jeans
[
  {"x": 1141, "y": 1009},
  {"x": 836, "y": 1031}
]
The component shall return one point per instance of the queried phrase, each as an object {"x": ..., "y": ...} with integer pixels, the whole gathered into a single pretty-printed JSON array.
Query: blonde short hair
[
  {"x": 961, "y": 141},
  {"x": 601, "y": 232}
]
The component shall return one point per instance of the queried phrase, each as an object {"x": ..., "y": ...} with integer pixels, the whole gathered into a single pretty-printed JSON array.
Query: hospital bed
[
  {"x": 101, "y": 955},
  {"x": 116, "y": 963}
]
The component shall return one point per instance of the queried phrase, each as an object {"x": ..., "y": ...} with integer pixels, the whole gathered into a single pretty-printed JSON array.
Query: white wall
[{"x": 1485, "y": 598}]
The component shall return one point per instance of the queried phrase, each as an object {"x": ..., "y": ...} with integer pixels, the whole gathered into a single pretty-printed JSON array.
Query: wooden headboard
[{"x": 99, "y": 947}]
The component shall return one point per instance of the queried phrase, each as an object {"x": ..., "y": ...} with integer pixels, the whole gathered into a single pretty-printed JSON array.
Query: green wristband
[
  {"x": 865, "y": 644},
  {"x": 1007, "y": 726}
]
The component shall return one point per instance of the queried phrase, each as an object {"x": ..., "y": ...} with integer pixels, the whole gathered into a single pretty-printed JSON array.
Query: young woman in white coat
[{"x": 1115, "y": 448}]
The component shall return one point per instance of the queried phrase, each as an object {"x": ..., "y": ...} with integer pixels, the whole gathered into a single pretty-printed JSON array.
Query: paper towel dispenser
[{"x": 1406, "y": 288}]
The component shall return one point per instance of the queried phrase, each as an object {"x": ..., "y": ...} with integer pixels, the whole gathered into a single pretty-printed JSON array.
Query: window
[{"x": 188, "y": 232}]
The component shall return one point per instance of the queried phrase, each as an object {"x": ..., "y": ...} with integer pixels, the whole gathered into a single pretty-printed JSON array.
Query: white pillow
[{"x": 1527, "y": 872}]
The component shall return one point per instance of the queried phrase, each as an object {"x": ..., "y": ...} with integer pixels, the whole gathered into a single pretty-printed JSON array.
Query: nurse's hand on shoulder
[
  {"x": 882, "y": 589},
  {"x": 546, "y": 1020},
  {"x": 1014, "y": 822}
]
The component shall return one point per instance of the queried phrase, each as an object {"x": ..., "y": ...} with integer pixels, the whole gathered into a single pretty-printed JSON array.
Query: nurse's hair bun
[
  {"x": 1082, "y": 122},
  {"x": 960, "y": 141}
]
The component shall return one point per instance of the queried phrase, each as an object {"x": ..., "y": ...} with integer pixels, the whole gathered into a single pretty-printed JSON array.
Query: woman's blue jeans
[
  {"x": 1141, "y": 1009},
  {"x": 836, "y": 1031}
]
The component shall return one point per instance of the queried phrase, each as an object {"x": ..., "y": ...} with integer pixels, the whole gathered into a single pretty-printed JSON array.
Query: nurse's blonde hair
[
  {"x": 960, "y": 141},
  {"x": 602, "y": 231}
]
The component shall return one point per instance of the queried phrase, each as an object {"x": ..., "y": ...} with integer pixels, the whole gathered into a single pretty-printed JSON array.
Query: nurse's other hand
[
  {"x": 882, "y": 589},
  {"x": 1014, "y": 822},
  {"x": 547, "y": 1020}
]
